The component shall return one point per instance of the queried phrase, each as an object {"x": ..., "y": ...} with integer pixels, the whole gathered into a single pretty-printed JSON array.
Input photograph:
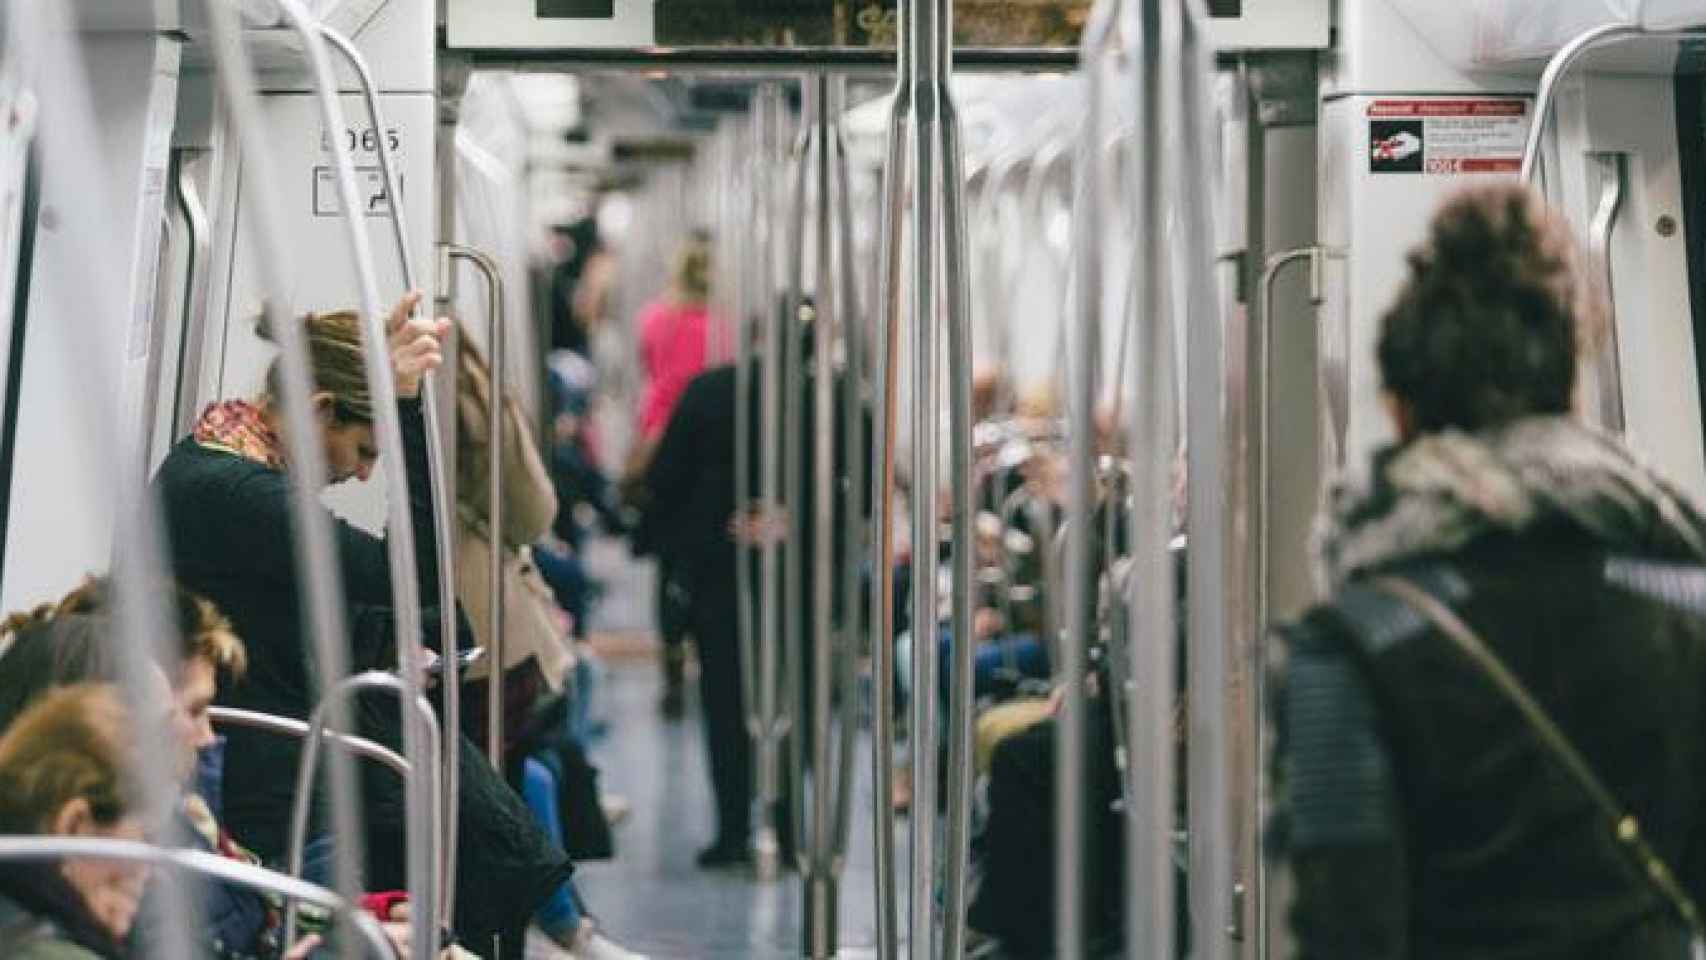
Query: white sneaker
[
  {"x": 616, "y": 808},
  {"x": 592, "y": 945}
]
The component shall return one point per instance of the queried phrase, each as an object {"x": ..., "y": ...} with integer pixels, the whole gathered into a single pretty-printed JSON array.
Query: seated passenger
[
  {"x": 66, "y": 770},
  {"x": 537, "y": 657},
  {"x": 226, "y": 496},
  {"x": 1421, "y": 814}
]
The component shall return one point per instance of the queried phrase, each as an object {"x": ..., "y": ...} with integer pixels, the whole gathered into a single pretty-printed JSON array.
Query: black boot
[{"x": 674, "y": 700}]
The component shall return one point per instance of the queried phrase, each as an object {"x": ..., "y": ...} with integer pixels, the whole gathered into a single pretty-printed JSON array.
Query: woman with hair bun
[
  {"x": 1489, "y": 741},
  {"x": 226, "y": 494}
]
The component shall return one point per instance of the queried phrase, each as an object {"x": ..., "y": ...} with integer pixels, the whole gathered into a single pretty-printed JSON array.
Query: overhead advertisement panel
[{"x": 1009, "y": 24}]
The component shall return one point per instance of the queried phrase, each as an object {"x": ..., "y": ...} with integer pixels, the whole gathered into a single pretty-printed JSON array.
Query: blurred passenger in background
[{"x": 672, "y": 332}]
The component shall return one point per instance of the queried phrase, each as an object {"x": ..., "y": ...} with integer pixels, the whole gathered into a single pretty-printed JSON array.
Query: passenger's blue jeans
[{"x": 561, "y": 914}]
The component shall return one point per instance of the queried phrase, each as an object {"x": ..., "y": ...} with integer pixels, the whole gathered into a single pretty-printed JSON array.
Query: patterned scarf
[
  {"x": 236, "y": 426},
  {"x": 1442, "y": 491}
]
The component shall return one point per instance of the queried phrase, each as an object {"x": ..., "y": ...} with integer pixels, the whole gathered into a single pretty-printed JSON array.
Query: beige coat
[{"x": 533, "y": 624}]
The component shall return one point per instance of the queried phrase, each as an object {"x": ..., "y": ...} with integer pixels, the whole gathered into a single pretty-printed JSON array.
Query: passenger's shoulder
[
  {"x": 208, "y": 476},
  {"x": 1370, "y": 621}
]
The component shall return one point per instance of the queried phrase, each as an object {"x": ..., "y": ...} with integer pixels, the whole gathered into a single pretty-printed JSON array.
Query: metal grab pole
[
  {"x": 195, "y": 304},
  {"x": 1546, "y": 96},
  {"x": 423, "y": 860},
  {"x": 885, "y": 376},
  {"x": 317, "y": 564},
  {"x": 437, "y": 465},
  {"x": 1212, "y": 901},
  {"x": 498, "y": 318},
  {"x": 926, "y": 225},
  {"x": 854, "y": 549},
  {"x": 793, "y": 493},
  {"x": 42, "y": 45},
  {"x": 213, "y": 865},
  {"x": 744, "y": 626},
  {"x": 1614, "y": 174},
  {"x": 957, "y": 299},
  {"x": 767, "y": 852},
  {"x": 1151, "y": 416},
  {"x": 415, "y": 709},
  {"x": 298, "y": 729},
  {"x": 817, "y": 875}
]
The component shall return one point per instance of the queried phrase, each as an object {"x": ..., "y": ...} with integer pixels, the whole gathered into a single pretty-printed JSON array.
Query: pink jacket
[{"x": 672, "y": 352}]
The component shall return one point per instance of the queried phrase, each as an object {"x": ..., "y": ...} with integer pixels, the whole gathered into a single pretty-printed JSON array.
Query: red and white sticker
[{"x": 1439, "y": 135}]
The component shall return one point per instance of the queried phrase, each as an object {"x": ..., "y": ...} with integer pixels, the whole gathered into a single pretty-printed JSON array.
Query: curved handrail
[
  {"x": 307, "y": 762},
  {"x": 1556, "y": 69},
  {"x": 437, "y": 460},
  {"x": 207, "y": 864},
  {"x": 423, "y": 860},
  {"x": 195, "y": 294},
  {"x": 317, "y": 564},
  {"x": 300, "y": 730},
  {"x": 497, "y": 312}
]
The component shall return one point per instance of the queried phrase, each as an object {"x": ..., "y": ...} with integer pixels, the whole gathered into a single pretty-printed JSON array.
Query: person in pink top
[
  {"x": 672, "y": 353},
  {"x": 672, "y": 338}
]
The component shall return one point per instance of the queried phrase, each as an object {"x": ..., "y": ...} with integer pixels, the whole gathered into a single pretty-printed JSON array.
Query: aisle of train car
[{"x": 652, "y": 893}]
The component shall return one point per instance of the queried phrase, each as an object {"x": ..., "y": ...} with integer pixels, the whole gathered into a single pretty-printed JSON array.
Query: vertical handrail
[
  {"x": 1150, "y": 417},
  {"x": 854, "y": 546},
  {"x": 926, "y": 222},
  {"x": 745, "y": 628},
  {"x": 498, "y": 317},
  {"x": 297, "y": 840},
  {"x": 885, "y": 376},
  {"x": 317, "y": 564},
  {"x": 817, "y": 873},
  {"x": 1070, "y": 848},
  {"x": 1546, "y": 96},
  {"x": 793, "y": 492},
  {"x": 41, "y": 43},
  {"x": 195, "y": 294},
  {"x": 400, "y": 536},
  {"x": 1211, "y": 853},
  {"x": 773, "y": 719},
  {"x": 437, "y": 464},
  {"x": 212, "y": 865},
  {"x": 956, "y": 290}
]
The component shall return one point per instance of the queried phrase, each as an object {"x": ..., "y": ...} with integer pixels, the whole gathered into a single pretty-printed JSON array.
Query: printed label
[
  {"x": 369, "y": 184},
  {"x": 1439, "y": 136}
]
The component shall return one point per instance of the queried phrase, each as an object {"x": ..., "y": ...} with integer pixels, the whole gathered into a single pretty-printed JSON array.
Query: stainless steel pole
[
  {"x": 819, "y": 875},
  {"x": 926, "y": 235},
  {"x": 299, "y": 730},
  {"x": 415, "y": 710},
  {"x": 770, "y": 149},
  {"x": 497, "y": 315},
  {"x": 317, "y": 564},
  {"x": 437, "y": 465},
  {"x": 212, "y": 865},
  {"x": 1556, "y": 69},
  {"x": 793, "y": 473},
  {"x": 195, "y": 295},
  {"x": 423, "y": 860},
  {"x": 957, "y": 299},
  {"x": 885, "y": 378},
  {"x": 1185, "y": 62}
]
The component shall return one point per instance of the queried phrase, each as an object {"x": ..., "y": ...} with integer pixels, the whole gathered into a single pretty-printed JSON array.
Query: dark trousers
[{"x": 712, "y": 618}]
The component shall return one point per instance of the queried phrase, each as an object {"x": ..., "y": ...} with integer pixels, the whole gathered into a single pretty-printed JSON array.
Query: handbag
[{"x": 1624, "y": 826}]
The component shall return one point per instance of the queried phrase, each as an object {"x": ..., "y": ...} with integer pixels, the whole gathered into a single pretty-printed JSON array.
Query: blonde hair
[
  {"x": 203, "y": 631},
  {"x": 335, "y": 359},
  {"x": 73, "y": 743},
  {"x": 692, "y": 271}
]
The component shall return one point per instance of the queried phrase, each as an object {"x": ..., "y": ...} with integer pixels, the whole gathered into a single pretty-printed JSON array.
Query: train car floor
[{"x": 652, "y": 897}]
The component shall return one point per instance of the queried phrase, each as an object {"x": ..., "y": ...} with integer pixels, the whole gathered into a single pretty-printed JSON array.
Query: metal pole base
[
  {"x": 820, "y": 918},
  {"x": 766, "y": 853}
]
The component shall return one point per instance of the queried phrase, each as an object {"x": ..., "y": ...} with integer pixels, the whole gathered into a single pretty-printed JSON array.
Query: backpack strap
[{"x": 1624, "y": 826}]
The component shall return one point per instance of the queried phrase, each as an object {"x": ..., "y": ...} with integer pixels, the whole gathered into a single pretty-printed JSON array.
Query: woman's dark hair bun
[{"x": 1486, "y": 328}]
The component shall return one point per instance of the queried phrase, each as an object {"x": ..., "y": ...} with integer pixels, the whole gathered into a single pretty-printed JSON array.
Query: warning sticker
[
  {"x": 370, "y": 187},
  {"x": 1481, "y": 135}
]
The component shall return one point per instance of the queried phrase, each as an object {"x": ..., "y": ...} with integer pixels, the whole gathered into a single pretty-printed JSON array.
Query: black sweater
[{"x": 229, "y": 523}]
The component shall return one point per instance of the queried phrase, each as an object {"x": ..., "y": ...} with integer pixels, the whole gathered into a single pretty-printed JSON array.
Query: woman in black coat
[
  {"x": 226, "y": 495},
  {"x": 1420, "y": 813}
]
